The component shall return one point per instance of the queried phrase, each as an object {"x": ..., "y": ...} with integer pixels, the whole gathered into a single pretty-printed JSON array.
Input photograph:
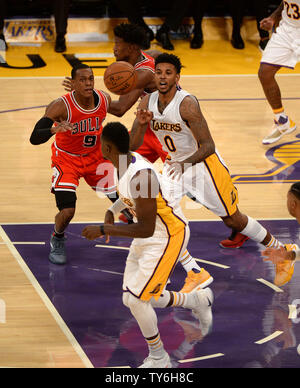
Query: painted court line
[
  {"x": 271, "y": 285},
  {"x": 25, "y": 243},
  {"x": 46, "y": 300},
  {"x": 111, "y": 246},
  {"x": 269, "y": 337},
  {"x": 212, "y": 263},
  {"x": 202, "y": 358},
  {"x": 292, "y": 311}
]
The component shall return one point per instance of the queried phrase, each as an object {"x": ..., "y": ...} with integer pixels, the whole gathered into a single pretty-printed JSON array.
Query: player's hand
[
  {"x": 267, "y": 24},
  {"x": 63, "y": 126},
  {"x": 174, "y": 169},
  {"x": 109, "y": 219},
  {"x": 275, "y": 255},
  {"x": 144, "y": 116},
  {"x": 91, "y": 232},
  {"x": 67, "y": 84}
]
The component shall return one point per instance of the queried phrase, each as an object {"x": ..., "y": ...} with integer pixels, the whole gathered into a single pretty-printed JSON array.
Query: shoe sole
[
  {"x": 201, "y": 286},
  {"x": 234, "y": 247},
  {"x": 57, "y": 262},
  {"x": 283, "y": 134}
]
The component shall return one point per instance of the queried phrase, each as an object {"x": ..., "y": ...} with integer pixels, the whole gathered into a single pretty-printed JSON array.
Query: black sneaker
[
  {"x": 164, "y": 40},
  {"x": 197, "y": 41},
  {"x": 262, "y": 44},
  {"x": 237, "y": 42},
  {"x": 60, "y": 45}
]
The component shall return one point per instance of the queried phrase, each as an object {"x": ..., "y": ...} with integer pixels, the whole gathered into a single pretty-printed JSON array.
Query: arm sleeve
[{"x": 42, "y": 131}]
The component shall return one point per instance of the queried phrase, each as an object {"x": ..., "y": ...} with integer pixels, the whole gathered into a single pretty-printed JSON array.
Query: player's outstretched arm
[
  {"x": 124, "y": 103},
  {"x": 139, "y": 126},
  {"x": 146, "y": 187},
  {"x": 44, "y": 129}
]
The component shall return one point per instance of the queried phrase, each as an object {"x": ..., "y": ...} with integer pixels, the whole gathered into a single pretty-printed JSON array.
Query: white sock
[
  {"x": 188, "y": 262},
  {"x": 274, "y": 243},
  {"x": 179, "y": 300},
  {"x": 156, "y": 347},
  {"x": 281, "y": 114}
]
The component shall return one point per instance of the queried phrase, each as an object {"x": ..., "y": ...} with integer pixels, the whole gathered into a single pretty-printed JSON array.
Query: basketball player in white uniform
[
  {"x": 283, "y": 50},
  {"x": 160, "y": 234},
  {"x": 177, "y": 121}
]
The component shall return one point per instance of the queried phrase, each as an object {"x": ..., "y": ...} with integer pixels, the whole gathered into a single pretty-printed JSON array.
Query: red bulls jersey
[
  {"x": 85, "y": 136},
  {"x": 147, "y": 63}
]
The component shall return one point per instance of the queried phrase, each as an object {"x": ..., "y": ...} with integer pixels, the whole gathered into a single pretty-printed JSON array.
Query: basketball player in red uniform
[{"x": 76, "y": 121}]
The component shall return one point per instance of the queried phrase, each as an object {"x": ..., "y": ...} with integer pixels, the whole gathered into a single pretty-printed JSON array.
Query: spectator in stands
[
  {"x": 133, "y": 11},
  {"x": 3, "y": 10},
  {"x": 61, "y": 12},
  {"x": 261, "y": 12}
]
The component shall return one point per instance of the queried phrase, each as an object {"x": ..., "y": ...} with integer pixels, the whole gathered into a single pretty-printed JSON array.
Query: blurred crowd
[{"x": 172, "y": 14}]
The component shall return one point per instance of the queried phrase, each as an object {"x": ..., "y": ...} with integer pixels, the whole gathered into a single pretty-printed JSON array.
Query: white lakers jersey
[
  {"x": 169, "y": 218},
  {"x": 291, "y": 13},
  {"x": 173, "y": 133}
]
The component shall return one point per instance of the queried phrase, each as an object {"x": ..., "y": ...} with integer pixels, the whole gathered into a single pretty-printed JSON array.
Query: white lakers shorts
[
  {"x": 209, "y": 182},
  {"x": 283, "y": 49},
  {"x": 151, "y": 262}
]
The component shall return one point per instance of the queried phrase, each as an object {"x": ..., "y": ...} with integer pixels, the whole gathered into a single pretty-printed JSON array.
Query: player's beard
[{"x": 168, "y": 89}]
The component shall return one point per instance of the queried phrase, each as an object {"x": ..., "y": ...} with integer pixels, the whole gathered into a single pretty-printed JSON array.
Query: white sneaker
[
  {"x": 151, "y": 362},
  {"x": 203, "y": 311},
  {"x": 280, "y": 128}
]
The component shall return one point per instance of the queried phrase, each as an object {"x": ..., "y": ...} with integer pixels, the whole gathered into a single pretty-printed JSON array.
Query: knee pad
[{"x": 65, "y": 199}]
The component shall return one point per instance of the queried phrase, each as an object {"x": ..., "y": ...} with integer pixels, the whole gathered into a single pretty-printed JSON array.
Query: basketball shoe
[
  {"x": 285, "y": 270},
  {"x": 151, "y": 362},
  {"x": 203, "y": 309},
  {"x": 281, "y": 127},
  {"x": 236, "y": 240},
  {"x": 57, "y": 252},
  {"x": 195, "y": 281}
]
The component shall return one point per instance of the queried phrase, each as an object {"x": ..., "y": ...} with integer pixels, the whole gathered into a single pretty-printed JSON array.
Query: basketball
[{"x": 120, "y": 77}]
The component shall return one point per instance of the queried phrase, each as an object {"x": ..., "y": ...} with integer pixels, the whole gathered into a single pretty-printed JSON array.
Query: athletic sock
[
  {"x": 58, "y": 235},
  {"x": 155, "y": 346},
  {"x": 279, "y": 113},
  {"x": 189, "y": 263},
  {"x": 274, "y": 243}
]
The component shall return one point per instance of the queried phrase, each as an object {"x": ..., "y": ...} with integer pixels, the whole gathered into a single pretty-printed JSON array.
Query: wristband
[
  {"x": 102, "y": 230},
  {"x": 117, "y": 207}
]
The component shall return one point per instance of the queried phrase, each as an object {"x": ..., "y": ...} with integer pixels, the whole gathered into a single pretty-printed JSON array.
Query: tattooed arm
[{"x": 191, "y": 113}]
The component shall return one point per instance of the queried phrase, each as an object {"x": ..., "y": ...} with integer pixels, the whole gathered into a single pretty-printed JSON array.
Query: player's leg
[
  {"x": 252, "y": 229},
  {"x": 65, "y": 180},
  {"x": 146, "y": 318},
  {"x": 278, "y": 53},
  {"x": 66, "y": 203},
  {"x": 148, "y": 267}
]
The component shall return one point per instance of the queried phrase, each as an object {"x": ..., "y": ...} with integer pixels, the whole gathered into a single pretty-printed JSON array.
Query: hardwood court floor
[{"x": 225, "y": 82}]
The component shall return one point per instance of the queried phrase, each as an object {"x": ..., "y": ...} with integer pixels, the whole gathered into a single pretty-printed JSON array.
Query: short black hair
[
  {"x": 295, "y": 189},
  {"x": 169, "y": 58},
  {"x": 131, "y": 33},
  {"x": 117, "y": 133},
  {"x": 78, "y": 67}
]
